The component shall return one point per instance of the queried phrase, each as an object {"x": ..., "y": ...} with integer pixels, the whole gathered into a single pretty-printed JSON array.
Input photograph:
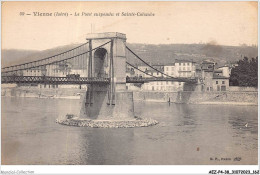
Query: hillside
[
  {"x": 197, "y": 52},
  {"x": 155, "y": 54}
]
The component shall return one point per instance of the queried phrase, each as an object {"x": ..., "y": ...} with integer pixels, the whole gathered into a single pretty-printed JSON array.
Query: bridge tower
[{"x": 106, "y": 101}]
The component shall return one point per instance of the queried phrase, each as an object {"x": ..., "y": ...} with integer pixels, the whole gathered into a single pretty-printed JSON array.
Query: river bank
[
  {"x": 35, "y": 92},
  {"x": 186, "y": 97},
  {"x": 194, "y": 97}
]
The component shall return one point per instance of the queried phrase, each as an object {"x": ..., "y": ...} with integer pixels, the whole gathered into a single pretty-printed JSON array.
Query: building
[
  {"x": 38, "y": 71},
  {"x": 213, "y": 79},
  {"x": 208, "y": 65},
  {"x": 226, "y": 70},
  {"x": 169, "y": 69},
  {"x": 55, "y": 70},
  {"x": 168, "y": 86},
  {"x": 185, "y": 68},
  {"x": 143, "y": 68},
  {"x": 220, "y": 83}
]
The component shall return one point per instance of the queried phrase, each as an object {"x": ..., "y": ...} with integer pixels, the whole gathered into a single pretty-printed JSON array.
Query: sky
[{"x": 223, "y": 23}]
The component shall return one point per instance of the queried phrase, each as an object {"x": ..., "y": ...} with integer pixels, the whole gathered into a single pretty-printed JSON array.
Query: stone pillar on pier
[{"x": 111, "y": 101}]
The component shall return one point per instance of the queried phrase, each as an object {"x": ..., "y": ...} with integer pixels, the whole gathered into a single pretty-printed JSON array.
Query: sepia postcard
[{"x": 129, "y": 83}]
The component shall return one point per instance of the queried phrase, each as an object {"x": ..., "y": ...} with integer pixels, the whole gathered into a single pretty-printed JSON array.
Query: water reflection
[{"x": 29, "y": 128}]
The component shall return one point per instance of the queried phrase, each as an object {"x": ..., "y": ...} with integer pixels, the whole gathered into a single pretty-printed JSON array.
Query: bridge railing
[
  {"x": 145, "y": 80},
  {"x": 53, "y": 80}
]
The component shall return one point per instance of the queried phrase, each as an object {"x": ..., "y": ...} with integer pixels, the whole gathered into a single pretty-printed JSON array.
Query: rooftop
[
  {"x": 170, "y": 64},
  {"x": 208, "y": 62},
  {"x": 184, "y": 61}
]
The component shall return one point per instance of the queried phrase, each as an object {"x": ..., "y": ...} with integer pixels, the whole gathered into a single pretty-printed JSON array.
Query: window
[
  {"x": 223, "y": 82},
  {"x": 188, "y": 64},
  {"x": 166, "y": 68},
  {"x": 183, "y": 68},
  {"x": 183, "y": 64},
  {"x": 172, "y": 68},
  {"x": 216, "y": 82},
  {"x": 188, "y": 68}
]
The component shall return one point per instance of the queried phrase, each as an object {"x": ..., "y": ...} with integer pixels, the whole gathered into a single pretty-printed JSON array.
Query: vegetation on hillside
[{"x": 246, "y": 73}]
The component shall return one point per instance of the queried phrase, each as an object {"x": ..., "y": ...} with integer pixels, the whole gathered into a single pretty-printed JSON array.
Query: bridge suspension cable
[
  {"x": 59, "y": 54},
  {"x": 57, "y": 61},
  {"x": 147, "y": 63},
  {"x": 140, "y": 70}
]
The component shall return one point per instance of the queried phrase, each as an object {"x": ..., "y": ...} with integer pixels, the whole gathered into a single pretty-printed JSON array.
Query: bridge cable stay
[
  {"x": 59, "y": 54},
  {"x": 147, "y": 63},
  {"x": 140, "y": 70},
  {"x": 59, "y": 60}
]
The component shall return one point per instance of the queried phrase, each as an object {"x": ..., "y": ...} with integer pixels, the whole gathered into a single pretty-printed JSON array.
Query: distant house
[
  {"x": 168, "y": 86},
  {"x": 185, "y": 68},
  {"x": 143, "y": 68},
  {"x": 220, "y": 83},
  {"x": 226, "y": 70},
  {"x": 214, "y": 79},
  {"x": 169, "y": 69},
  {"x": 208, "y": 65},
  {"x": 38, "y": 71}
]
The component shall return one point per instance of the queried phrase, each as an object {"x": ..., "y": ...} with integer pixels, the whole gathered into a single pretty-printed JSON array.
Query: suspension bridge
[
  {"x": 54, "y": 69},
  {"x": 101, "y": 64}
]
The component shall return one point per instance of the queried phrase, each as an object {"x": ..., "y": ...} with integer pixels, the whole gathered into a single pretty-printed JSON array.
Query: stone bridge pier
[
  {"x": 107, "y": 105},
  {"x": 109, "y": 61}
]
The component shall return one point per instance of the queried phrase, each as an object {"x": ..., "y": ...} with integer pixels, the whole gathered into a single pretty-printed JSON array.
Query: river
[{"x": 186, "y": 135}]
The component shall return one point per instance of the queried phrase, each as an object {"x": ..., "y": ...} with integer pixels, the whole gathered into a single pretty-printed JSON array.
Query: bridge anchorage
[{"x": 106, "y": 105}]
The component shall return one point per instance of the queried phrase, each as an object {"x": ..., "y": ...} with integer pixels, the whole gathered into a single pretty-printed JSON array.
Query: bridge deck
[
  {"x": 83, "y": 80},
  {"x": 146, "y": 80},
  {"x": 53, "y": 80}
]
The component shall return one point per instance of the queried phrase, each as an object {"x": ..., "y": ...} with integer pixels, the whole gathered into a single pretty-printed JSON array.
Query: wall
[
  {"x": 243, "y": 89},
  {"x": 191, "y": 97},
  {"x": 244, "y": 96},
  {"x": 35, "y": 92}
]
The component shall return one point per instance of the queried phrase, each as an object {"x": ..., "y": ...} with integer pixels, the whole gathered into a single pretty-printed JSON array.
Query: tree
[{"x": 246, "y": 73}]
